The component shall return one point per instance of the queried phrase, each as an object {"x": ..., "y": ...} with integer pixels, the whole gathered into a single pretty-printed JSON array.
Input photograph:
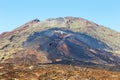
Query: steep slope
[
  {"x": 93, "y": 35},
  {"x": 60, "y": 42}
]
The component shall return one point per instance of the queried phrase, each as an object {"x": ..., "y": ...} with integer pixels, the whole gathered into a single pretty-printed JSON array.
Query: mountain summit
[{"x": 57, "y": 39}]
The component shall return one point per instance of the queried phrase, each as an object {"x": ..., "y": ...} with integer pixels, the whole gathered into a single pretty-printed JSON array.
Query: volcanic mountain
[
  {"x": 52, "y": 40},
  {"x": 68, "y": 48}
]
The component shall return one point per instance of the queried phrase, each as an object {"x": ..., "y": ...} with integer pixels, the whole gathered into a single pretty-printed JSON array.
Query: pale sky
[{"x": 14, "y": 13}]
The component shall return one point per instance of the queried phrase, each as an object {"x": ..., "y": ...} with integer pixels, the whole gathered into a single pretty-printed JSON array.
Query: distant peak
[
  {"x": 33, "y": 21},
  {"x": 36, "y": 20},
  {"x": 27, "y": 25},
  {"x": 70, "y": 17}
]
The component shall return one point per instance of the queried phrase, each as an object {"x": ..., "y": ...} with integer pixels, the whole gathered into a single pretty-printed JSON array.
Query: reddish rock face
[{"x": 64, "y": 48}]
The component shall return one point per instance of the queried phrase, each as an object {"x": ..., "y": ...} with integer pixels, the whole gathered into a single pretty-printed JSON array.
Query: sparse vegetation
[{"x": 54, "y": 72}]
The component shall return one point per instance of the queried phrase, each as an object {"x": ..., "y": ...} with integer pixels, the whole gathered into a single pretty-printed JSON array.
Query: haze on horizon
[{"x": 15, "y": 13}]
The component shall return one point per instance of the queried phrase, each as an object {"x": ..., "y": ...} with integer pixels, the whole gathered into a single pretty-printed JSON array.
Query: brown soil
[{"x": 54, "y": 72}]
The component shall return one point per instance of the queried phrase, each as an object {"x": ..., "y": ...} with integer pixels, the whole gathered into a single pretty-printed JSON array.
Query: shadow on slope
[
  {"x": 85, "y": 65},
  {"x": 92, "y": 42},
  {"x": 60, "y": 43}
]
